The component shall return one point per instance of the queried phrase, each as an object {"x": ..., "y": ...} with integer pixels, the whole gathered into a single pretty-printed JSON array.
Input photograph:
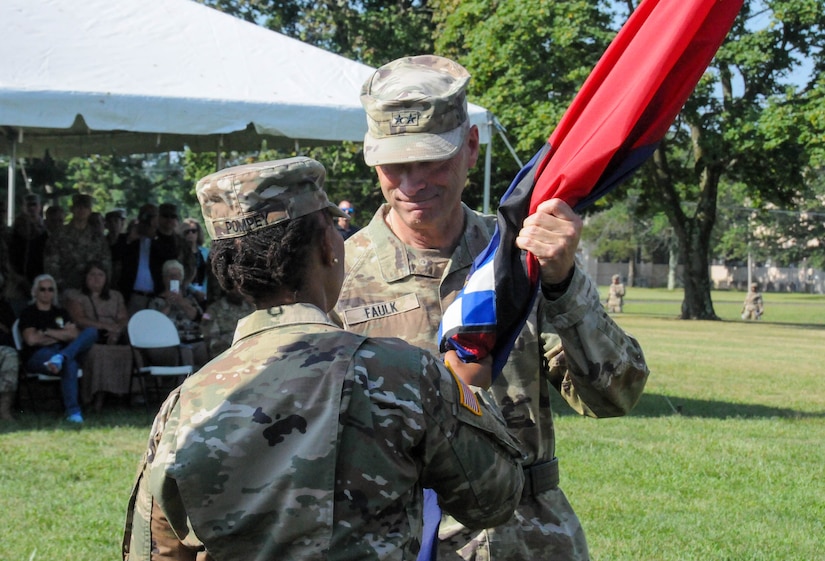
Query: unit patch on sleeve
[{"x": 466, "y": 397}]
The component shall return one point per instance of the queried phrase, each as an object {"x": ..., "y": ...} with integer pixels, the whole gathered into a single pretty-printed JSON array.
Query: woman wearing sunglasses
[{"x": 52, "y": 343}]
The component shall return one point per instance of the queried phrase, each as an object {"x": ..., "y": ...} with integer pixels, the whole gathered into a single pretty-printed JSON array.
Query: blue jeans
[{"x": 68, "y": 375}]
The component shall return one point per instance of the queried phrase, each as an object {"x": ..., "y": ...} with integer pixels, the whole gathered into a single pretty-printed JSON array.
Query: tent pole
[
  {"x": 10, "y": 210},
  {"x": 219, "y": 156},
  {"x": 501, "y": 133},
  {"x": 488, "y": 165}
]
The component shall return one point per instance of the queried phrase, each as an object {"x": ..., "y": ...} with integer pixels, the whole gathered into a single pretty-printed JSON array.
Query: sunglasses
[
  {"x": 191, "y": 231},
  {"x": 45, "y": 288},
  {"x": 348, "y": 210},
  {"x": 168, "y": 215}
]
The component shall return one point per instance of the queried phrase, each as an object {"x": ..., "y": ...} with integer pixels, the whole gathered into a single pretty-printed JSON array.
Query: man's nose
[{"x": 412, "y": 179}]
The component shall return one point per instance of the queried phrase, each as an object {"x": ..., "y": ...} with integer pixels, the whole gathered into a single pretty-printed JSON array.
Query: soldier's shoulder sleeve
[
  {"x": 472, "y": 462},
  {"x": 137, "y": 535},
  {"x": 599, "y": 368}
]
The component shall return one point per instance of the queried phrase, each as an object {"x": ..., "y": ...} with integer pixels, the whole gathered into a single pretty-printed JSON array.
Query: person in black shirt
[{"x": 53, "y": 344}]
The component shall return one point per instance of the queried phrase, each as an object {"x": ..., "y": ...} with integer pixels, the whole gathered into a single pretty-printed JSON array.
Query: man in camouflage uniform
[
  {"x": 220, "y": 320},
  {"x": 754, "y": 305},
  {"x": 615, "y": 295},
  {"x": 75, "y": 244},
  {"x": 407, "y": 265},
  {"x": 304, "y": 441}
]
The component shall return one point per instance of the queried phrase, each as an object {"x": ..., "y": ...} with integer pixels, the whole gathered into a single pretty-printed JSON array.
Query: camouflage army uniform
[
  {"x": 68, "y": 251},
  {"x": 392, "y": 289},
  {"x": 219, "y": 322},
  {"x": 615, "y": 297},
  {"x": 753, "y": 306},
  {"x": 304, "y": 441}
]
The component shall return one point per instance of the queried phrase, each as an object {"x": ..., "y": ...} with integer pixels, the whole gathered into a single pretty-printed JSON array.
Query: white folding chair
[{"x": 151, "y": 329}]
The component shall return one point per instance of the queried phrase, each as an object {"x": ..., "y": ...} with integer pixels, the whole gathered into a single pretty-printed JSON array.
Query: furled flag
[{"x": 613, "y": 125}]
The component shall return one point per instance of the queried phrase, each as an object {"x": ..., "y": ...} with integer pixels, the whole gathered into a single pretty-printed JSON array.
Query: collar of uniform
[
  {"x": 277, "y": 316},
  {"x": 478, "y": 231},
  {"x": 393, "y": 258}
]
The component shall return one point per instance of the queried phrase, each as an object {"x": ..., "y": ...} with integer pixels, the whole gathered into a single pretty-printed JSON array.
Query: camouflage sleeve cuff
[{"x": 580, "y": 298}]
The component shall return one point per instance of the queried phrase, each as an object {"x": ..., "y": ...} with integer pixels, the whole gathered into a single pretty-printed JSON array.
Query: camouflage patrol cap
[
  {"x": 82, "y": 200},
  {"x": 242, "y": 199},
  {"x": 416, "y": 110}
]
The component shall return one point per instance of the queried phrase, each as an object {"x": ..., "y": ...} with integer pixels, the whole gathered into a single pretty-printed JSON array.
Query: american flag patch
[{"x": 466, "y": 397}]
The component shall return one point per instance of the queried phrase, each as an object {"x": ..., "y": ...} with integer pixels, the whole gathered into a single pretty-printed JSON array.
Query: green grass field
[{"x": 722, "y": 459}]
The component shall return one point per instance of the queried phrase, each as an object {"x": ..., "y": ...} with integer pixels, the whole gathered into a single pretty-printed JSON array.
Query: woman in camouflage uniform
[{"x": 303, "y": 441}]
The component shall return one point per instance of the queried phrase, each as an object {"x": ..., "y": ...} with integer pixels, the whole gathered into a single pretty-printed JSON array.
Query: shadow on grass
[
  {"x": 659, "y": 405},
  {"x": 53, "y": 419}
]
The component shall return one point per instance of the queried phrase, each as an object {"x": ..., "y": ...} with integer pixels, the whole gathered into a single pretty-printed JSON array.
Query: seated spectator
[
  {"x": 220, "y": 320},
  {"x": 193, "y": 234},
  {"x": 184, "y": 311},
  {"x": 9, "y": 364},
  {"x": 72, "y": 246},
  {"x": 108, "y": 365},
  {"x": 53, "y": 344}
]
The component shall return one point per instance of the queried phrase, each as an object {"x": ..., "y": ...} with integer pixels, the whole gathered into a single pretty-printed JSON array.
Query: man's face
[
  {"x": 114, "y": 224},
  {"x": 33, "y": 209},
  {"x": 45, "y": 292},
  {"x": 168, "y": 222},
  {"x": 427, "y": 195},
  {"x": 81, "y": 212},
  {"x": 346, "y": 207},
  {"x": 54, "y": 220}
]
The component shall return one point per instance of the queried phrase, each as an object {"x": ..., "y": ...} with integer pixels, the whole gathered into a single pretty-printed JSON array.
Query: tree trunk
[
  {"x": 672, "y": 265},
  {"x": 697, "y": 303},
  {"x": 692, "y": 232}
]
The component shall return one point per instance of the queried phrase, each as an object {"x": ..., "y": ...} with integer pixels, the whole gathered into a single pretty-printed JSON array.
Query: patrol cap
[
  {"x": 32, "y": 198},
  {"x": 168, "y": 210},
  {"x": 82, "y": 199},
  {"x": 243, "y": 199},
  {"x": 416, "y": 110},
  {"x": 116, "y": 213}
]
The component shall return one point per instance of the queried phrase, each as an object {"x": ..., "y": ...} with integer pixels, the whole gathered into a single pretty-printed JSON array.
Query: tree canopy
[{"x": 748, "y": 147}]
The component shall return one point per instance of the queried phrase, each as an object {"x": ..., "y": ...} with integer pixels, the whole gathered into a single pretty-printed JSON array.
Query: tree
[
  {"x": 371, "y": 31},
  {"x": 527, "y": 59},
  {"x": 746, "y": 125},
  {"x": 740, "y": 129}
]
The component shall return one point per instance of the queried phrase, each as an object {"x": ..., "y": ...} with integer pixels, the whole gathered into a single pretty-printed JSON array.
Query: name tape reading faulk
[
  {"x": 378, "y": 310},
  {"x": 234, "y": 227}
]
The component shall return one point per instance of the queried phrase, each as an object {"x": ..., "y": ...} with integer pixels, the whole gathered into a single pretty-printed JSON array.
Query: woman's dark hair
[
  {"x": 268, "y": 260},
  {"x": 192, "y": 223},
  {"x": 95, "y": 264}
]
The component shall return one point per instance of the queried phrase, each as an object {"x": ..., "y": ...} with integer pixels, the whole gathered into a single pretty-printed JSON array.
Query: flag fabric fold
[{"x": 614, "y": 123}]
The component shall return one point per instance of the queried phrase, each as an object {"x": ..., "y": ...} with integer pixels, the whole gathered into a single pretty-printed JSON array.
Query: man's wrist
[{"x": 553, "y": 291}]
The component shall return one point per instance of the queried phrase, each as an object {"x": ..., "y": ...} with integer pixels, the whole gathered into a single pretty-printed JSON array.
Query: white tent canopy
[{"x": 133, "y": 76}]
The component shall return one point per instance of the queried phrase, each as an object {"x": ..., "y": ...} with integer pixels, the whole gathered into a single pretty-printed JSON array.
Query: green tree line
[{"x": 742, "y": 166}]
